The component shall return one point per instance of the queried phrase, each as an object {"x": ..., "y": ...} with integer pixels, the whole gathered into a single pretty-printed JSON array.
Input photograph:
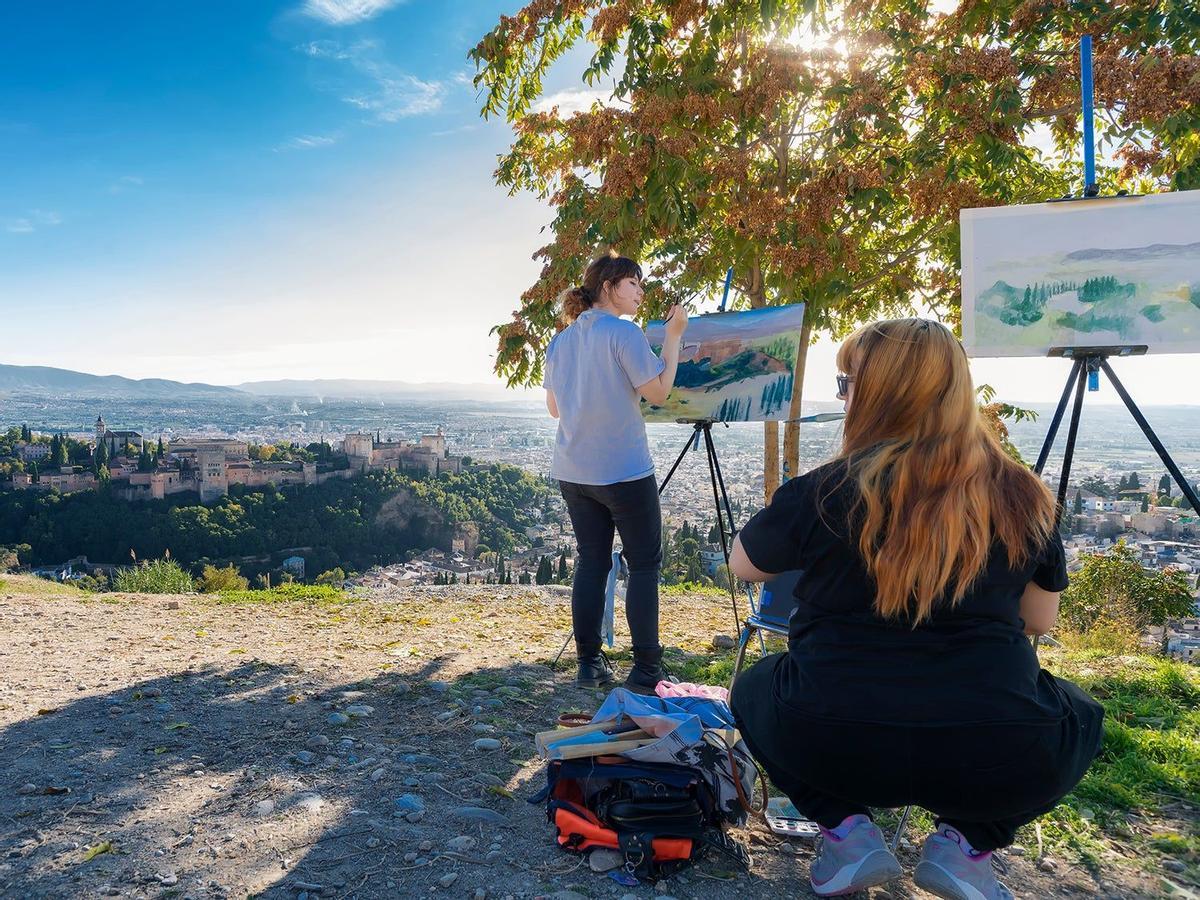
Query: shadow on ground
[{"x": 247, "y": 781}]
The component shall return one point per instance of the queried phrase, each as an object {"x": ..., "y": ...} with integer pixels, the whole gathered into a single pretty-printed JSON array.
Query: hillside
[
  {"x": 47, "y": 380},
  {"x": 322, "y": 388},
  {"x": 188, "y": 746}
]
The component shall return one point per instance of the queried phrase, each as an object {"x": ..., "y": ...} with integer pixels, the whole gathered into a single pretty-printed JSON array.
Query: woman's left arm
[
  {"x": 1039, "y": 609},
  {"x": 551, "y": 403},
  {"x": 740, "y": 565}
]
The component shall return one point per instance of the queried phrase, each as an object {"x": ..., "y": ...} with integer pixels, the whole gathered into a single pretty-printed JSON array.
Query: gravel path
[{"x": 177, "y": 747}]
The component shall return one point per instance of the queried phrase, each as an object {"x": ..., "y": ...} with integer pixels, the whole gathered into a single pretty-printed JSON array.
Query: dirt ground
[{"x": 155, "y": 746}]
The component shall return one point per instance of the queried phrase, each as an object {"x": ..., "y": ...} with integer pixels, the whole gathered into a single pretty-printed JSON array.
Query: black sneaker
[{"x": 594, "y": 670}]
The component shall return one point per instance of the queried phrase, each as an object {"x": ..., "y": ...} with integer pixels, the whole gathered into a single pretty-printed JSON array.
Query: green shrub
[
  {"x": 226, "y": 579},
  {"x": 334, "y": 576},
  {"x": 158, "y": 576},
  {"x": 1114, "y": 587},
  {"x": 92, "y": 583},
  {"x": 1107, "y": 636},
  {"x": 284, "y": 593}
]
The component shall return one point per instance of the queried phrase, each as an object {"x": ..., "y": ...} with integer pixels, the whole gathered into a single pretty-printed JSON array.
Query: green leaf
[{"x": 93, "y": 852}]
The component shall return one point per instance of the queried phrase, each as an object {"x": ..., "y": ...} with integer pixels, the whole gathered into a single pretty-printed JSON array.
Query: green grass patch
[
  {"x": 691, "y": 588},
  {"x": 286, "y": 593},
  {"x": 1148, "y": 767},
  {"x": 32, "y": 586}
]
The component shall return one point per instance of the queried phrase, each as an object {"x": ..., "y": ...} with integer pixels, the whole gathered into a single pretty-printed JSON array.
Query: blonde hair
[
  {"x": 600, "y": 271},
  {"x": 935, "y": 486}
]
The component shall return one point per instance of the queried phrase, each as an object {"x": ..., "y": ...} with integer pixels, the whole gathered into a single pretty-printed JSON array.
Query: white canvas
[
  {"x": 1087, "y": 273},
  {"x": 733, "y": 367}
]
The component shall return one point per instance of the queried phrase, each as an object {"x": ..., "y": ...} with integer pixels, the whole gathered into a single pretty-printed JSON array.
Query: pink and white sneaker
[{"x": 948, "y": 870}]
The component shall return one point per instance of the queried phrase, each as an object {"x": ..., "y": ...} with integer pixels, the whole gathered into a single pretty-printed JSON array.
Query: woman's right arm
[
  {"x": 656, "y": 390},
  {"x": 1039, "y": 609}
]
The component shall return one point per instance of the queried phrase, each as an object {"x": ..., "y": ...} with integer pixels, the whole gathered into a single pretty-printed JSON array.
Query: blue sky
[{"x": 233, "y": 191}]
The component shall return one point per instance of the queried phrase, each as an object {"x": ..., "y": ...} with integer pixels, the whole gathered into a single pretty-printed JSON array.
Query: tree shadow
[{"x": 247, "y": 781}]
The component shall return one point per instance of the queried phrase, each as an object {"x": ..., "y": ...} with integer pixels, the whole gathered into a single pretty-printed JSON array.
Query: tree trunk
[
  {"x": 758, "y": 299},
  {"x": 791, "y": 431}
]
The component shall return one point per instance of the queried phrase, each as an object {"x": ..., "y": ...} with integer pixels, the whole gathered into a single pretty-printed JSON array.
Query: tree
[
  {"x": 161, "y": 447},
  {"x": 563, "y": 575},
  {"x": 829, "y": 168},
  {"x": 228, "y": 578},
  {"x": 1134, "y": 481},
  {"x": 26, "y": 434},
  {"x": 545, "y": 571},
  {"x": 1096, "y": 486},
  {"x": 1164, "y": 485},
  {"x": 1114, "y": 587},
  {"x": 334, "y": 576},
  {"x": 1145, "y": 503},
  {"x": 100, "y": 457},
  {"x": 58, "y": 451},
  {"x": 1078, "y": 503}
]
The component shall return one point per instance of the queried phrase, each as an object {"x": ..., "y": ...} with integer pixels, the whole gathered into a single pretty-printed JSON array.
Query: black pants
[
  {"x": 630, "y": 508},
  {"x": 984, "y": 780}
]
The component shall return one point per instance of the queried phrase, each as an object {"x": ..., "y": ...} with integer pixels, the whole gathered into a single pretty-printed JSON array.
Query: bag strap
[
  {"x": 728, "y": 738},
  {"x": 638, "y": 850}
]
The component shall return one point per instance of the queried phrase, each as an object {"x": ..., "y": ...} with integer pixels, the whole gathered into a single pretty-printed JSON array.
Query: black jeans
[
  {"x": 984, "y": 780},
  {"x": 596, "y": 510}
]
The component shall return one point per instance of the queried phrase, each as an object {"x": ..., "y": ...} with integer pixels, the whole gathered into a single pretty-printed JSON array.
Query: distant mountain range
[
  {"x": 46, "y": 380},
  {"x": 40, "y": 380},
  {"x": 348, "y": 388},
  {"x": 1153, "y": 251}
]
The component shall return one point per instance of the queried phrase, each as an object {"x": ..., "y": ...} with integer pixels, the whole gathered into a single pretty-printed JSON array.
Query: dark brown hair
[{"x": 600, "y": 271}]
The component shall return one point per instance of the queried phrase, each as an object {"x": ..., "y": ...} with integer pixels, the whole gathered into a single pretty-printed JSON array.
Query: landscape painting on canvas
[
  {"x": 1087, "y": 273},
  {"x": 733, "y": 367}
]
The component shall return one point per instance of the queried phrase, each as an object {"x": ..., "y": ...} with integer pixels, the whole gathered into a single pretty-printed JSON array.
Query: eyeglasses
[{"x": 843, "y": 384}]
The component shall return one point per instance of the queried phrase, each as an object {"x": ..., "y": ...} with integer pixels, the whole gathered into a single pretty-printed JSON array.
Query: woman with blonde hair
[
  {"x": 928, "y": 556},
  {"x": 597, "y": 369}
]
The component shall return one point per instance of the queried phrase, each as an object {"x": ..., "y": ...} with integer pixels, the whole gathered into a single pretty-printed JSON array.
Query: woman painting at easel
[{"x": 597, "y": 368}]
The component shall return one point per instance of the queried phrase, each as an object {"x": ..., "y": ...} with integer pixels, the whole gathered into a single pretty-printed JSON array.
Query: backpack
[{"x": 660, "y": 817}]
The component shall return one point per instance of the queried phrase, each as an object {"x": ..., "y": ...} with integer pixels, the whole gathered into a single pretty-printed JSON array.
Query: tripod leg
[
  {"x": 562, "y": 649},
  {"x": 1057, "y": 420},
  {"x": 1072, "y": 431},
  {"x": 724, "y": 504},
  {"x": 713, "y": 466},
  {"x": 1152, "y": 437},
  {"x": 682, "y": 453}
]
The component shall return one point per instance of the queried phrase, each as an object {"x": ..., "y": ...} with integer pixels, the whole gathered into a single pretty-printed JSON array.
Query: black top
[{"x": 967, "y": 664}]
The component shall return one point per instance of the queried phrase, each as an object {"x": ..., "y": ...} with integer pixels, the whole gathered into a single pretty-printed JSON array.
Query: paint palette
[{"x": 783, "y": 818}]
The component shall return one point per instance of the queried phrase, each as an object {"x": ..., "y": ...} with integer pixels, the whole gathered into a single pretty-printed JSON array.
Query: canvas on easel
[
  {"x": 1103, "y": 272},
  {"x": 733, "y": 366}
]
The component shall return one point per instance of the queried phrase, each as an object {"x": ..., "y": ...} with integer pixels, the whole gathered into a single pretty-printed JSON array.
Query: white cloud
[
  {"x": 35, "y": 219},
  {"x": 125, "y": 182},
  {"x": 347, "y": 12},
  {"x": 324, "y": 49},
  {"x": 398, "y": 95},
  {"x": 573, "y": 100},
  {"x": 306, "y": 142},
  {"x": 384, "y": 90}
]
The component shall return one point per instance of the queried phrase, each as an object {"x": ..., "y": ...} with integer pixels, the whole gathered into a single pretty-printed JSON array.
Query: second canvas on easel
[
  {"x": 733, "y": 367},
  {"x": 1088, "y": 273}
]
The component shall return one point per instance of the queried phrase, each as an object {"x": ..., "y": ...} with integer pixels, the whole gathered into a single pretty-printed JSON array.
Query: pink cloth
[{"x": 687, "y": 689}]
